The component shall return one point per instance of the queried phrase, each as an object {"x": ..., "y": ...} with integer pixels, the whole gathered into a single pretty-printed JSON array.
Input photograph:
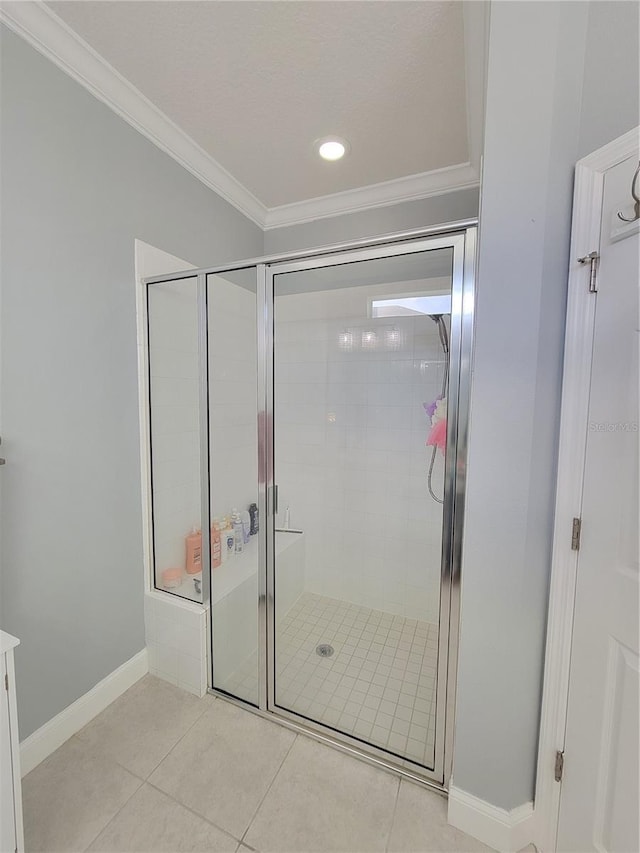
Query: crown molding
[
  {"x": 409, "y": 188},
  {"x": 53, "y": 38}
]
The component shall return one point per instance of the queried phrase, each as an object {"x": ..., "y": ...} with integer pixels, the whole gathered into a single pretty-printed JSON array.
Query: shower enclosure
[{"x": 328, "y": 390}]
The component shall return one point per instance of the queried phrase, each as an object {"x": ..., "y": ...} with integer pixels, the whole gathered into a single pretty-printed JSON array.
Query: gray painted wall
[
  {"x": 549, "y": 101},
  {"x": 78, "y": 185},
  {"x": 611, "y": 73},
  {"x": 370, "y": 223},
  {"x": 562, "y": 82}
]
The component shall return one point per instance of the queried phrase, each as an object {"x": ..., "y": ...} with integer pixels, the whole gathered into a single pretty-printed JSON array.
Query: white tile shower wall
[
  {"x": 176, "y": 641},
  {"x": 351, "y": 460}
]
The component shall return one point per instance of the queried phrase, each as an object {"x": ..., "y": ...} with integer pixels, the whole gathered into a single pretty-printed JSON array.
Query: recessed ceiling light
[{"x": 332, "y": 147}]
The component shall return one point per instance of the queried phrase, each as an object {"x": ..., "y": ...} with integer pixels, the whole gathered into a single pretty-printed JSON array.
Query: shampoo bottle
[
  {"x": 216, "y": 545},
  {"x": 194, "y": 552},
  {"x": 253, "y": 515},
  {"x": 238, "y": 531},
  {"x": 229, "y": 537},
  {"x": 223, "y": 540},
  {"x": 246, "y": 525}
]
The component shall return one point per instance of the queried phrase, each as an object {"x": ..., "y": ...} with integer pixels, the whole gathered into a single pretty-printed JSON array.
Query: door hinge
[
  {"x": 576, "y": 528},
  {"x": 592, "y": 259},
  {"x": 559, "y": 766}
]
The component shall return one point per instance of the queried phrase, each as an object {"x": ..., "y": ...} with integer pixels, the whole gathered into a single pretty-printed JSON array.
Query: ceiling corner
[{"x": 54, "y": 39}]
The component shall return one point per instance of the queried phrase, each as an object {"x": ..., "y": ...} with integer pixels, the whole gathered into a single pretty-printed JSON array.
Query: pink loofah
[{"x": 438, "y": 435}]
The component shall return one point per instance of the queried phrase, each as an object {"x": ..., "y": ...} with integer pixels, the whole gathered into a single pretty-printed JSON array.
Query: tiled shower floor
[{"x": 379, "y": 685}]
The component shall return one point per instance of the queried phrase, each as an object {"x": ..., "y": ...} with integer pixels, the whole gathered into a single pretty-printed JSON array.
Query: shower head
[{"x": 442, "y": 331}]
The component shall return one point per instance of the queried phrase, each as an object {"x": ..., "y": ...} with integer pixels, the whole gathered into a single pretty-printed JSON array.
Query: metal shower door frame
[
  {"x": 461, "y": 237},
  {"x": 463, "y": 244}
]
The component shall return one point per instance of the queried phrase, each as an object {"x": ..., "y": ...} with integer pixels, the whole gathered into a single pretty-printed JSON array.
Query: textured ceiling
[{"x": 255, "y": 83}]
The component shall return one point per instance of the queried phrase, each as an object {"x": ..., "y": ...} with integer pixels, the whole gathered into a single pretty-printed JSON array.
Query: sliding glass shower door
[{"x": 366, "y": 362}]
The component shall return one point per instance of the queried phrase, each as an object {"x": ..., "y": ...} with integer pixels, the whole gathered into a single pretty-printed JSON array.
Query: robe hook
[{"x": 636, "y": 199}]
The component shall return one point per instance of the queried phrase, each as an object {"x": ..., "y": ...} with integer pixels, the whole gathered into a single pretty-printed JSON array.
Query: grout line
[
  {"x": 205, "y": 702},
  {"x": 275, "y": 776},
  {"x": 141, "y": 779},
  {"x": 110, "y": 821},
  {"x": 194, "y": 812},
  {"x": 349, "y": 623},
  {"x": 393, "y": 816}
]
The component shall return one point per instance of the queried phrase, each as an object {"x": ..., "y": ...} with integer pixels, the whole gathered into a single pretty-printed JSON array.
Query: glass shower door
[
  {"x": 233, "y": 481},
  {"x": 364, "y": 424}
]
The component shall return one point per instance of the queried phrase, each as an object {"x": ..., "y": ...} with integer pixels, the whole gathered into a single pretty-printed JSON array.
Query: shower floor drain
[{"x": 324, "y": 650}]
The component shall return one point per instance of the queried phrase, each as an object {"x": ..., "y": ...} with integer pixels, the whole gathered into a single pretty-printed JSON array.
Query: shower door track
[
  {"x": 363, "y": 752},
  {"x": 461, "y": 238}
]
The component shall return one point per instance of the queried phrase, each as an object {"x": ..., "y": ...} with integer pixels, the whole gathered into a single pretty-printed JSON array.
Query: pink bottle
[{"x": 194, "y": 552}]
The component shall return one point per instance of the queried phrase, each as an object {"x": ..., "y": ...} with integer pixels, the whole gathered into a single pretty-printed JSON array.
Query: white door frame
[{"x": 585, "y": 238}]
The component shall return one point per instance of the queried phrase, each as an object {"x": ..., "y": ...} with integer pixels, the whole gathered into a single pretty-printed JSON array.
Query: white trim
[
  {"x": 8, "y": 645},
  {"x": 52, "y": 37},
  {"x": 614, "y": 152},
  {"x": 505, "y": 831},
  {"x": 60, "y": 728},
  {"x": 585, "y": 238},
  {"x": 168, "y": 597},
  {"x": 7, "y": 642},
  {"x": 410, "y": 188}
]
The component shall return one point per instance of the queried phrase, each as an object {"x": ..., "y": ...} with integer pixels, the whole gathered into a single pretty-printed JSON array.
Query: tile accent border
[
  {"x": 505, "y": 831},
  {"x": 60, "y": 728}
]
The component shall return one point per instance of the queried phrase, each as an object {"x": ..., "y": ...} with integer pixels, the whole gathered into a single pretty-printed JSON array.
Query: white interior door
[{"x": 599, "y": 799}]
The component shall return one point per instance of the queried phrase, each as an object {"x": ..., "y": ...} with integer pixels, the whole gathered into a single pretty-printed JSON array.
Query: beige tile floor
[{"x": 161, "y": 770}]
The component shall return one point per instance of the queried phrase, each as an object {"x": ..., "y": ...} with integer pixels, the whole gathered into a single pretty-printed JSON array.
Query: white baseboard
[
  {"x": 60, "y": 728},
  {"x": 505, "y": 831}
]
